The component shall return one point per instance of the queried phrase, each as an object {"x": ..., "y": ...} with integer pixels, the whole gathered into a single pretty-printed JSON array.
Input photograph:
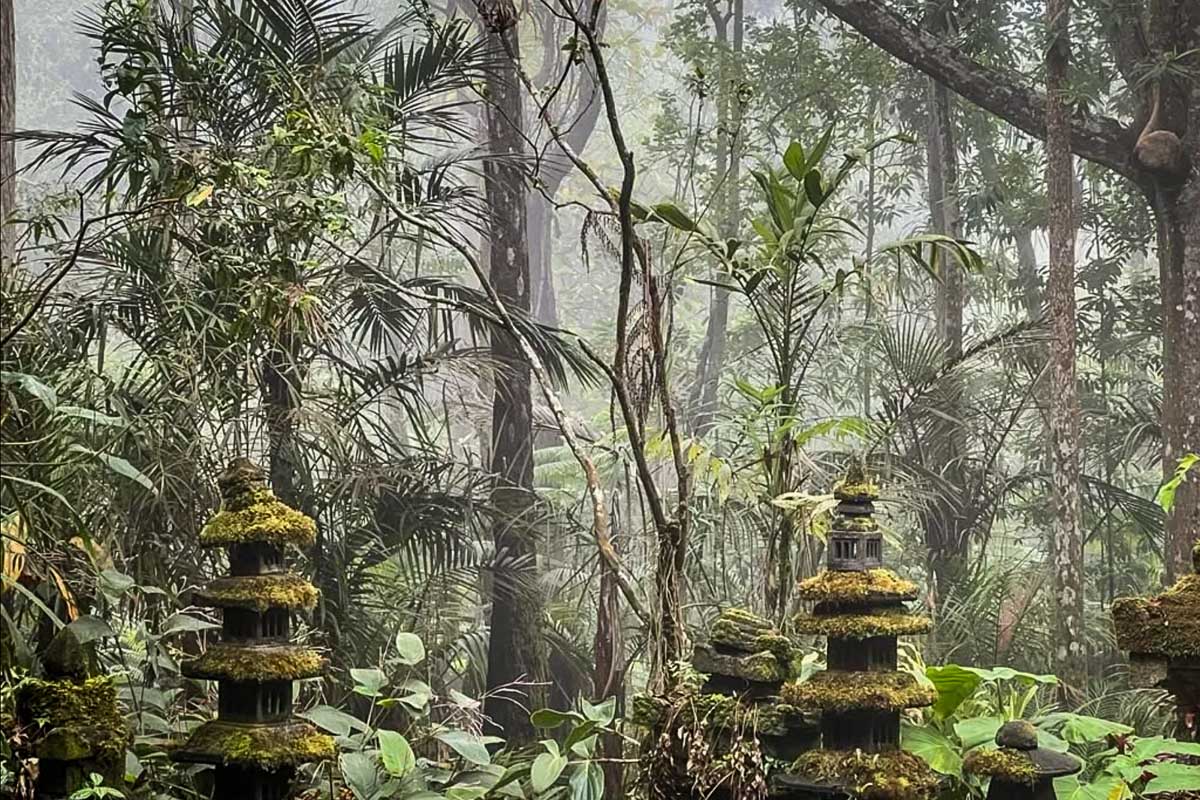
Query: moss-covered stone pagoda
[
  {"x": 255, "y": 743},
  {"x": 860, "y": 608},
  {"x": 70, "y": 720},
  {"x": 1017, "y": 768},
  {"x": 1162, "y": 635},
  {"x": 730, "y": 697}
]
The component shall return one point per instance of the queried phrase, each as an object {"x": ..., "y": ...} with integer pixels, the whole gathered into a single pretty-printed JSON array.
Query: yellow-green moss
[
  {"x": 894, "y": 775},
  {"x": 856, "y": 587},
  {"x": 268, "y": 746},
  {"x": 742, "y": 630},
  {"x": 717, "y": 712},
  {"x": 845, "y": 524},
  {"x": 258, "y": 517},
  {"x": 256, "y": 663},
  {"x": 1165, "y": 625},
  {"x": 1003, "y": 763},
  {"x": 73, "y": 720},
  {"x": 857, "y": 485},
  {"x": 849, "y": 691},
  {"x": 258, "y": 592},
  {"x": 862, "y": 626}
]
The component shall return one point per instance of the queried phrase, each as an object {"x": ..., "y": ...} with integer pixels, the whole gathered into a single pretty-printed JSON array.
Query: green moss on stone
[
  {"x": 844, "y": 524},
  {"x": 258, "y": 592},
  {"x": 893, "y": 775},
  {"x": 857, "y": 485},
  {"x": 718, "y": 712},
  {"x": 268, "y": 746},
  {"x": 850, "y": 691},
  {"x": 73, "y": 720},
  {"x": 258, "y": 517},
  {"x": 867, "y": 586},
  {"x": 1003, "y": 763},
  {"x": 862, "y": 626},
  {"x": 737, "y": 629},
  {"x": 1165, "y": 625},
  {"x": 256, "y": 663},
  {"x": 761, "y": 667}
]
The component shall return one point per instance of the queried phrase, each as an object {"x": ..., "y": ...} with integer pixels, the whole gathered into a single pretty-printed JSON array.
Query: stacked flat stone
[
  {"x": 745, "y": 662},
  {"x": 70, "y": 720},
  {"x": 1162, "y": 635},
  {"x": 255, "y": 742},
  {"x": 860, "y": 608}
]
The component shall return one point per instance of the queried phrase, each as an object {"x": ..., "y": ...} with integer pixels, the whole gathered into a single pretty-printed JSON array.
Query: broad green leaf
[
  {"x": 198, "y": 195},
  {"x": 549, "y": 718},
  {"x": 813, "y": 189},
  {"x": 117, "y": 464},
  {"x": 368, "y": 682},
  {"x": 545, "y": 771},
  {"x": 1172, "y": 777},
  {"x": 793, "y": 159},
  {"x": 409, "y": 648},
  {"x": 115, "y": 583},
  {"x": 32, "y": 385},
  {"x": 181, "y": 623},
  {"x": 587, "y": 782},
  {"x": 396, "y": 753},
  {"x": 954, "y": 684},
  {"x": 819, "y": 151},
  {"x": 932, "y": 747},
  {"x": 675, "y": 217},
  {"x": 360, "y": 773},
  {"x": 1079, "y": 729},
  {"x": 976, "y": 731},
  {"x": 88, "y": 629},
  {"x": 334, "y": 720},
  {"x": 1105, "y": 787},
  {"x": 466, "y": 745},
  {"x": 602, "y": 713}
]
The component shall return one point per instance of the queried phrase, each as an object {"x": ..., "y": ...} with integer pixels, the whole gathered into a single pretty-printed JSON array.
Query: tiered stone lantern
[
  {"x": 860, "y": 608},
  {"x": 1162, "y": 635},
  {"x": 1017, "y": 767},
  {"x": 70, "y": 721},
  {"x": 255, "y": 742}
]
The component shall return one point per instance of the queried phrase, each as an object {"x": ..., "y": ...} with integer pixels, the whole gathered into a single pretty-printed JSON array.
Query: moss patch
[
  {"x": 257, "y": 516},
  {"x": 894, "y": 775},
  {"x": 847, "y": 524},
  {"x": 258, "y": 592},
  {"x": 856, "y": 486},
  {"x": 718, "y": 712},
  {"x": 862, "y": 626},
  {"x": 255, "y": 663},
  {"x": 268, "y": 746},
  {"x": 850, "y": 691},
  {"x": 857, "y": 587},
  {"x": 73, "y": 720},
  {"x": 1165, "y": 625},
  {"x": 761, "y": 667},
  {"x": 1003, "y": 763},
  {"x": 738, "y": 630}
]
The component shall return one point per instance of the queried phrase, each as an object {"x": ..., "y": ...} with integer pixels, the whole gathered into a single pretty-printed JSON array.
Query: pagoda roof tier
[
  {"x": 723, "y": 712},
  {"x": 847, "y": 524},
  {"x": 760, "y": 667},
  {"x": 1166, "y": 625},
  {"x": 737, "y": 630},
  {"x": 862, "y": 626},
  {"x": 258, "y": 592},
  {"x": 257, "y": 516},
  {"x": 257, "y": 663},
  {"x": 865, "y": 587},
  {"x": 266, "y": 746},
  {"x": 891, "y": 775},
  {"x": 835, "y": 690}
]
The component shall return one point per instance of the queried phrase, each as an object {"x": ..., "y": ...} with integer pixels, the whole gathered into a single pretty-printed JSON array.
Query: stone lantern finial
[{"x": 1018, "y": 768}]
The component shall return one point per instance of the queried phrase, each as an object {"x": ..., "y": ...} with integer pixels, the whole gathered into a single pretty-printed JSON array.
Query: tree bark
[
  {"x": 8, "y": 124},
  {"x": 515, "y": 647},
  {"x": 728, "y": 204},
  {"x": 1070, "y": 657}
]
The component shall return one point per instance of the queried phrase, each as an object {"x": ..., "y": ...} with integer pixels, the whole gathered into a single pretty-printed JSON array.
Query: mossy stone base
[
  {"x": 1001, "y": 762},
  {"x": 259, "y": 592},
  {"x": 236, "y": 662},
  {"x": 858, "y": 691},
  {"x": 893, "y": 775},
  {"x": 1164, "y": 625},
  {"x": 268, "y": 746},
  {"x": 868, "y": 586}
]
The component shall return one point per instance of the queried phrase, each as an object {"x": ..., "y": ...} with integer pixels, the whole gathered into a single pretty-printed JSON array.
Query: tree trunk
[
  {"x": 1070, "y": 657},
  {"x": 515, "y": 648},
  {"x": 8, "y": 124},
  {"x": 943, "y": 535},
  {"x": 728, "y": 205}
]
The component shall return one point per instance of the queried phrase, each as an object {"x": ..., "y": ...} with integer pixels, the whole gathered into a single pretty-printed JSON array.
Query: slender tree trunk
[
  {"x": 728, "y": 206},
  {"x": 515, "y": 648},
  {"x": 8, "y": 124},
  {"x": 1067, "y": 547},
  {"x": 943, "y": 535}
]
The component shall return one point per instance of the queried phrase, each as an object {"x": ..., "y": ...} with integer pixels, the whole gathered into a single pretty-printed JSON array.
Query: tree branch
[{"x": 1100, "y": 139}]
